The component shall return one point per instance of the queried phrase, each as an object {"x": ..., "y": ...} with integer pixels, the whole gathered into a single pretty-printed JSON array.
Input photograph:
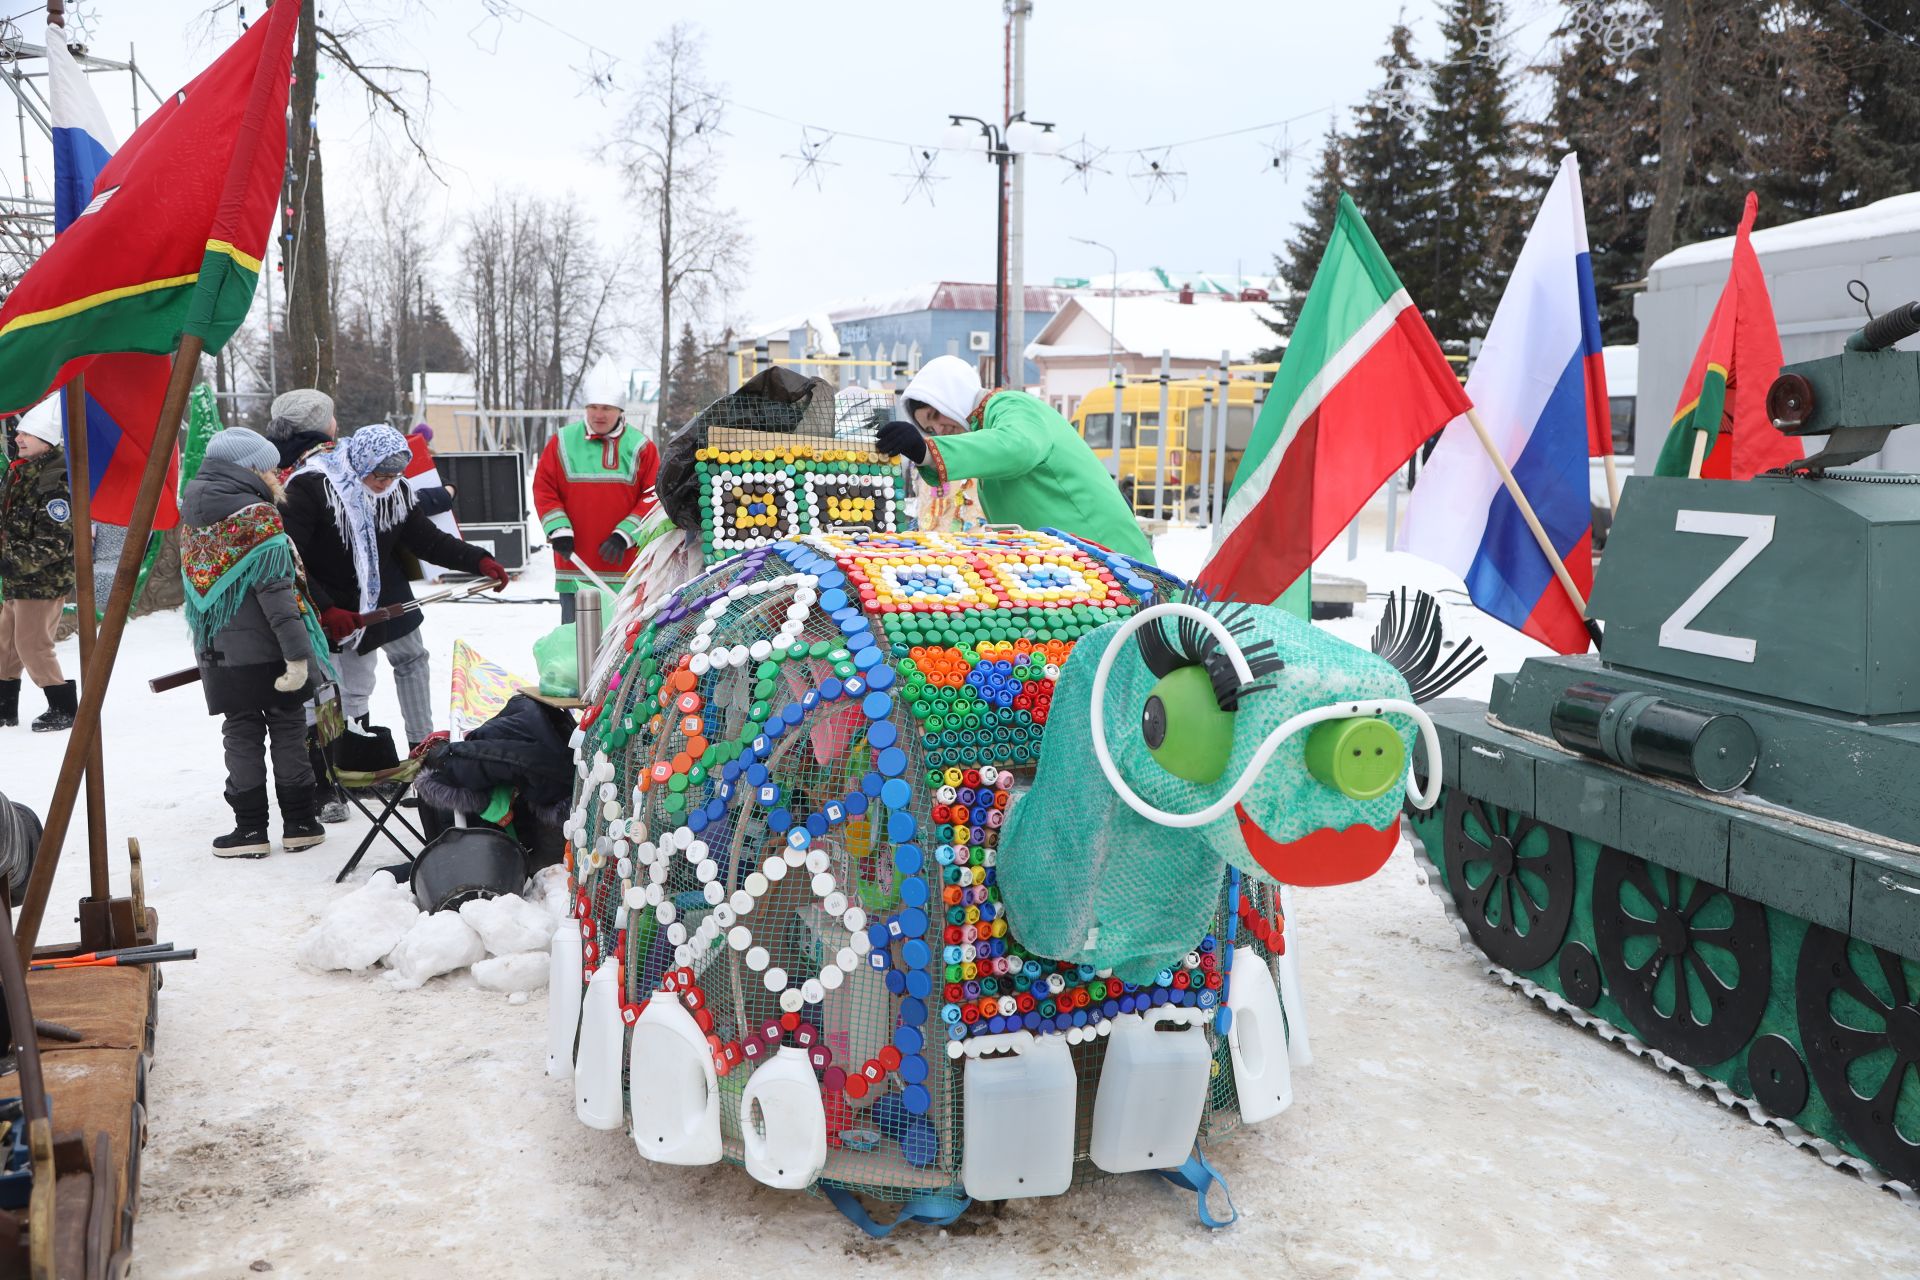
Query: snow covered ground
[{"x": 323, "y": 1125}]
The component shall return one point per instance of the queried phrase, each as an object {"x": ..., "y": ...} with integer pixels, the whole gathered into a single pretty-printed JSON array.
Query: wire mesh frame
[{"x": 791, "y": 719}]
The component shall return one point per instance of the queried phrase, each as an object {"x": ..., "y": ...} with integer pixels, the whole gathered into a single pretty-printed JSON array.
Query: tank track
[{"x": 1429, "y": 875}]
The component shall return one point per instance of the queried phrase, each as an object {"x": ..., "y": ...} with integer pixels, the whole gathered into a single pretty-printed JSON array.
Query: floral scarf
[
  {"x": 221, "y": 562},
  {"x": 360, "y": 516}
]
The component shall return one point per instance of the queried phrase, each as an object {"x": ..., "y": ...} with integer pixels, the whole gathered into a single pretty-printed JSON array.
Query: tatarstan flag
[
  {"x": 1361, "y": 386},
  {"x": 171, "y": 241},
  {"x": 1725, "y": 396}
]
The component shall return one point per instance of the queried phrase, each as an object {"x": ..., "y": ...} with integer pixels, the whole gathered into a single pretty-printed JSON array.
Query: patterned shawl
[
  {"x": 221, "y": 562},
  {"x": 360, "y": 516}
]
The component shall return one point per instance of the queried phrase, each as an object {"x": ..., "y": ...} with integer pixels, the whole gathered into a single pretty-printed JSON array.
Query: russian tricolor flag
[
  {"x": 124, "y": 390},
  {"x": 1542, "y": 393}
]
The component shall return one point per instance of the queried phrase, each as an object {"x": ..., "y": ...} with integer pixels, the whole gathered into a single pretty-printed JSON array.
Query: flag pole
[
  {"x": 82, "y": 503},
  {"x": 1533, "y": 521},
  {"x": 1613, "y": 482},
  {"x": 1699, "y": 455},
  {"x": 106, "y": 645}
]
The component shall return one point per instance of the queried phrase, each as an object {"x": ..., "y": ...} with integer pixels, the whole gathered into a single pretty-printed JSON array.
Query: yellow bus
[{"x": 1189, "y": 410}]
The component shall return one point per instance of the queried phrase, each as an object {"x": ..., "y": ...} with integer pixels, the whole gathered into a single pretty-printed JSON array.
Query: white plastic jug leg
[
  {"x": 1151, "y": 1095},
  {"x": 1293, "y": 997},
  {"x": 596, "y": 1071},
  {"x": 563, "y": 999},
  {"x": 1019, "y": 1122},
  {"x": 783, "y": 1122},
  {"x": 1257, "y": 1041},
  {"x": 673, "y": 1092}
]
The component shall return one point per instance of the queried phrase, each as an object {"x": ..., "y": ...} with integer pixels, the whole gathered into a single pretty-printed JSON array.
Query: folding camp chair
[{"x": 385, "y": 787}]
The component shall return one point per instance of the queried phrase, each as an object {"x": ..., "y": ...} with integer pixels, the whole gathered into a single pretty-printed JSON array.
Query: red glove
[
  {"x": 338, "y": 624},
  {"x": 493, "y": 569}
]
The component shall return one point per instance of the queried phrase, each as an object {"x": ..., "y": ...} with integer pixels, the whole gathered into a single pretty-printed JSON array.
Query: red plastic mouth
[{"x": 1322, "y": 857}]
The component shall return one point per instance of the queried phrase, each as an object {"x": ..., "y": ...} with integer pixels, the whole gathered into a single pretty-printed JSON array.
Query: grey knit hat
[
  {"x": 302, "y": 410},
  {"x": 243, "y": 448}
]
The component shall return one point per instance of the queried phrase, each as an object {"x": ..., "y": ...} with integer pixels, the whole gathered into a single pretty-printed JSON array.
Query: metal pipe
[
  {"x": 1226, "y": 425},
  {"x": 1160, "y": 438}
]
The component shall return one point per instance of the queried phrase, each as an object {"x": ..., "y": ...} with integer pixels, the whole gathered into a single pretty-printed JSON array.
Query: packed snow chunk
[
  {"x": 357, "y": 931},
  {"x": 553, "y": 891},
  {"x": 508, "y": 924},
  {"x": 438, "y": 943},
  {"x": 522, "y": 972}
]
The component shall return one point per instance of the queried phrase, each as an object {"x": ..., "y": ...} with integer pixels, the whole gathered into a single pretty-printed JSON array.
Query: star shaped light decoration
[
  {"x": 811, "y": 160},
  {"x": 1083, "y": 160},
  {"x": 1280, "y": 154},
  {"x": 1155, "y": 174},
  {"x": 597, "y": 76},
  {"x": 920, "y": 176},
  {"x": 493, "y": 22},
  {"x": 1486, "y": 41},
  {"x": 1399, "y": 100}
]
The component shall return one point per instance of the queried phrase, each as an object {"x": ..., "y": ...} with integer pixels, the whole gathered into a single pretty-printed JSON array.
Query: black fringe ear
[{"x": 1409, "y": 637}]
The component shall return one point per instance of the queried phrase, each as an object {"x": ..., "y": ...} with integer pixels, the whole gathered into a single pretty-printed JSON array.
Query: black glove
[
  {"x": 903, "y": 439},
  {"x": 614, "y": 549},
  {"x": 562, "y": 544}
]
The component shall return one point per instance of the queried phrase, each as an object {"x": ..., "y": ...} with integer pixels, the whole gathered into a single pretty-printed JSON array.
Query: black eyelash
[
  {"x": 1409, "y": 637},
  {"x": 1194, "y": 645}
]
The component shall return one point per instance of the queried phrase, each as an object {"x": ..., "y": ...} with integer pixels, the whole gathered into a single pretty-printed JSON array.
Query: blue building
[{"x": 944, "y": 318}]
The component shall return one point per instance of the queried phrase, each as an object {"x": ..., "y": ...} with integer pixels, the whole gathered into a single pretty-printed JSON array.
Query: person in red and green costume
[
  {"x": 1033, "y": 467},
  {"x": 591, "y": 488}
]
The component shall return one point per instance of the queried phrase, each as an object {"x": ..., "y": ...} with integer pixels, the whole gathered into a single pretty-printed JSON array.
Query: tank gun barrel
[{"x": 1887, "y": 328}]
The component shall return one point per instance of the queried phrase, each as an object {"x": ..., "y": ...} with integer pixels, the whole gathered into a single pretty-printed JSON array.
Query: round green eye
[{"x": 1185, "y": 729}]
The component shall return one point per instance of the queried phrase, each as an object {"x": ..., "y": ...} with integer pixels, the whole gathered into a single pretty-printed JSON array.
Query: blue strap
[
  {"x": 1197, "y": 1176},
  {"x": 935, "y": 1210}
]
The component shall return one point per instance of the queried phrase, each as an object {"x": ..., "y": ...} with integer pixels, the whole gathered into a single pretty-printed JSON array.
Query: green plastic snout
[{"x": 1361, "y": 757}]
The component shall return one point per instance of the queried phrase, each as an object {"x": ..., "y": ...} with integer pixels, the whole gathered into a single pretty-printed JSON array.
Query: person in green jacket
[{"x": 1033, "y": 467}]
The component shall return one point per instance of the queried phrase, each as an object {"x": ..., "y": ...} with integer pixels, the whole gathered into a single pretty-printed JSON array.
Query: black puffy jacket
[{"x": 329, "y": 561}]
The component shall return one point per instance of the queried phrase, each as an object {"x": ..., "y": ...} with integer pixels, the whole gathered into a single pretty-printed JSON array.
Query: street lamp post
[
  {"x": 1003, "y": 143},
  {"x": 1113, "y": 303}
]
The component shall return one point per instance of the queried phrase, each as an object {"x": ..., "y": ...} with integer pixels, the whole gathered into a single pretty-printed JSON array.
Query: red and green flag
[
  {"x": 1725, "y": 398},
  {"x": 171, "y": 242},
  {"x": 1362, "y": 385}
]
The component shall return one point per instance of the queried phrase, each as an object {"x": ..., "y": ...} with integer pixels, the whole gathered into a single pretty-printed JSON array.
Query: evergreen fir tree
[
  {"x": 697, "y": 379},
  {"x": 1470, "y": 163},
  {"x": 1382, "y": 163},
  {"x": 1871, "y": 49},
  {"x": 1296, "y": 263}
]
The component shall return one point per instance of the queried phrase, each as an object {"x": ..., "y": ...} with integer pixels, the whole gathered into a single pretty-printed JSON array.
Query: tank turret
[{"x": 1705, "y": 838}]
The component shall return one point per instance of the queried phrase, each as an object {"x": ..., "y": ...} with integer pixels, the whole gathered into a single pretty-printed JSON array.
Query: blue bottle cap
[
  {"x": 892, "y": 762},
  {"x": 913, "y": 891},
  {"x": 881, "y": 677},
  {"x": 896, "y": 794},
  {"x": 913, "y": 1012},
  {"x": 882, "y": 735}
]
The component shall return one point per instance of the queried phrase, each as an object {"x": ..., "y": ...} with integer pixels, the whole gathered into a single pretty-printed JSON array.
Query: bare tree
[
  {"x": 665, "y": 152},
  {"x": 389, "y": 88},
  {"x": 538, "y": 299}
]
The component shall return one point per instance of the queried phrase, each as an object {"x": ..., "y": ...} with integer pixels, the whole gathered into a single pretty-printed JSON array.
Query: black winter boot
[
  {"x": 299, "y": 828},
  {"x": 9, "y": 703},
  {"x": 328, "y": 804},
  {"x": 62, "y": 703},
  {"x": 248, "y": 839}
]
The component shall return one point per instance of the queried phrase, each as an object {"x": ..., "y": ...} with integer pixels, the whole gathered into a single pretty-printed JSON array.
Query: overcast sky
[{"x": 511, "y": 105}]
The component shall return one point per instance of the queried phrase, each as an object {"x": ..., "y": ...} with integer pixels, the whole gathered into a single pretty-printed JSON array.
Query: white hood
[
  {"x": 43, "y": 420},
  {"x": 603, "y": 385},
  {"x": 949, "y": 384}
]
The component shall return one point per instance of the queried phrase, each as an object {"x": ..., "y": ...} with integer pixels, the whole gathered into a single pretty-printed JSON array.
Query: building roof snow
[{"x": 1148, "y": 326}]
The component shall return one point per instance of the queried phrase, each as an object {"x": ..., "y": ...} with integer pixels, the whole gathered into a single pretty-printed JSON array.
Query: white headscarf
[
  {"x": 359, "y": 515},
  {"x": 950, "y": 385}
]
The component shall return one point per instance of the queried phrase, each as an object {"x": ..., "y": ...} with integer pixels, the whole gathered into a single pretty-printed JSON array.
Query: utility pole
[{"x": 1014, "y": 357}]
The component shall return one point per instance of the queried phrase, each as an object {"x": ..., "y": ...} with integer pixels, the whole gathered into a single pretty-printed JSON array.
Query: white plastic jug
[
  {"x": 1257, "y": 1040},
  {"x": 563, "y": 999},
  {"x": 596, "y": 1071},
  {"x": 783, "y": 1123},
  {"x": 673, "y": 1094},
  {"x": 1019, "y": 1125},
  {"x": 1153, "y": 1089}
]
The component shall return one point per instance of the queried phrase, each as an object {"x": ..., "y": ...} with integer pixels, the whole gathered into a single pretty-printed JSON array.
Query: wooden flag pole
[
  {"x": 1533, "y": 521},
  {"x": 1613, "y": 483},
  {"x": 82, "y": 505},
  {"x": 106, "y": 646},
  {"x": 1699, "y": 455}
]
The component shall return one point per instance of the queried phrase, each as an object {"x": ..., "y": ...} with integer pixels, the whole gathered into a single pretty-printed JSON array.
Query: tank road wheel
[
  {"x": 1512, "y": 880},
  {"x": 1687, "y": 960},
  {"x": 1860, "y": 1027}
]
